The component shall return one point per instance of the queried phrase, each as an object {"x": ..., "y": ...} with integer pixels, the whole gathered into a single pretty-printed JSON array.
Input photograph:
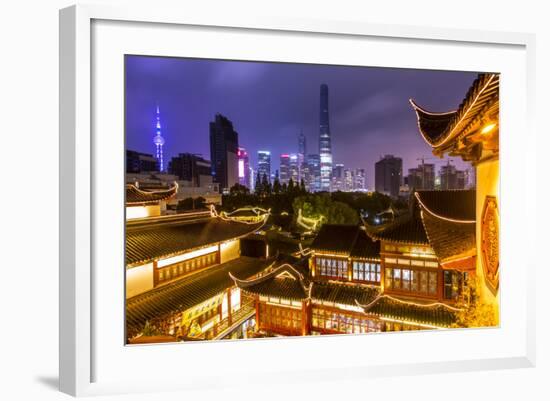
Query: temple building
[
  {"x": 178, "y": 283},
  {"x": 141, "y": 203},
  {"x": 345, "y": 253},
  {"x": 429, "y": 253},
  {"x": 406, "y": 275},
  {"x": 472, "y": 132}
]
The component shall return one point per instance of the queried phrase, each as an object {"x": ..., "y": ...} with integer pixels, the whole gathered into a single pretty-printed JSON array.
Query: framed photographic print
[{"x": 302, "y": 198}]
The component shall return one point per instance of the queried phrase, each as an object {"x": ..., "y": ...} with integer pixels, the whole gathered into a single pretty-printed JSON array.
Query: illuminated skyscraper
[
  {"x": 313, "y": 175},
  {"x": 284, "y": 168},
  {"x": 224, "y": 144},
  {"x": 325, "y": 149},
  {"x": 244, "y": 167},
  {"x": 158, "y": 141},
  {"x": 264, "y": 164}
]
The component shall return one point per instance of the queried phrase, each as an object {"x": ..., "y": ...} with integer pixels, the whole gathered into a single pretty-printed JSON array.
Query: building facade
[
  {"x": 244, "y": 168},
  {"x": 137, "y": 162},
  {"x": 388, "y": 172},
  {"x": 451, "y": 178},
  {"x": 264, "y": 164},
  {"x": 284, "y": 168},
  {"x": 191, "y": 167},
  {"x": 325, "y": 147},
  {"x": 422, "y": 177},
  {"x": 313, "y": 175},
  {"x": 183, "y": 290},
  {"x": 472, "y": 132},
  {"x": 224, "y": 145}
]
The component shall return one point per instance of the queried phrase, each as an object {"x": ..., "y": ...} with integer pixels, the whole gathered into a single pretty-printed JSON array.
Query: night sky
[{"x": 269, "y": 103}]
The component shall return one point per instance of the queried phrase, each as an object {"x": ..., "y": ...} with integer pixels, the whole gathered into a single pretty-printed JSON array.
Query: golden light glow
[
  {"x": 186, "y": 256},
  {"x": 488, "y": 128}
]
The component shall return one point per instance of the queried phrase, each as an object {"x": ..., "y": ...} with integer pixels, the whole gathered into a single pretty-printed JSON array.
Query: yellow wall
[
  {"x": 230, "y": 250},
  {"x": 138, "y": 212},
  {"x": 139, "y": 279},
  {"x": 487, "y": 183}
]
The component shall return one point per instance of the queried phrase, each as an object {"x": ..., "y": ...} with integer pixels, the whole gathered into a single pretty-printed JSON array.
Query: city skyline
[{"x": 371, "y": 116}]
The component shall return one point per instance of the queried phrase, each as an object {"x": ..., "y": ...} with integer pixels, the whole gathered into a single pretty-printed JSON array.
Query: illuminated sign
[{"x": 241, "y": 168}]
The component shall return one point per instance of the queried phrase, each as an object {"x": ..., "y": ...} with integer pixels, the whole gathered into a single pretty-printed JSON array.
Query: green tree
[
  {"x": 258, "y": 184},
  {"x": 238, "y": 189},
  {"x": 276, "y": 186},
  {"x": 317, "y": 206},
  {"x": 303, "y": 187}
]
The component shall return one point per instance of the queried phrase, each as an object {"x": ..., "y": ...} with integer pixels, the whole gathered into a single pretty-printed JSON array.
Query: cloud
[{"x": 232, "y": 74}]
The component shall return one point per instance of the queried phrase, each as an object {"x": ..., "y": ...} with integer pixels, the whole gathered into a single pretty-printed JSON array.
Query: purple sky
[{"x": 269, "y": 103}]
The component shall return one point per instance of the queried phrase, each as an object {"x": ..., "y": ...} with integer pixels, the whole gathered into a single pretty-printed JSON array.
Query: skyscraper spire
[
  {"x": 325, "y": 149},
  {"x": 158, "y": 141}
]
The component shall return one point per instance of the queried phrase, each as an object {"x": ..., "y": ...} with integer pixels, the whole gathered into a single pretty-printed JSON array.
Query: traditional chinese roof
[
  {"x": 455, "y": 131},
  {"x": 365, "y": 247},
  {"x": 287, "y": 282},
  {"x": 444, "y": 220},
  {"x": 449, "y": 218},
  {"x": 136, "y": 196},
  {"x": 165, "y": 237},
  {"x": 450, "y": 204},
  {"x": 434, "y": 314},
  {"x": 282, "y": 282},
  {"x": 450, "y": 240},
  {"x": 407, "y": 229},
  {"x": 187, "y": 292},
  {"x": 347, "y": 240},
  {"x": 342, "y": 293}
]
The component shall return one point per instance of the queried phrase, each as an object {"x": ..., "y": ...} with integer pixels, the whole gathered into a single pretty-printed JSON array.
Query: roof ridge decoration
[
  {"x": 286, "y": 267},
  {"x": 261, "y": 213},
  {"x": 155, "y": 196},
  {"x": 454, "y": 120},
  {"x": 430, "y": 305}
]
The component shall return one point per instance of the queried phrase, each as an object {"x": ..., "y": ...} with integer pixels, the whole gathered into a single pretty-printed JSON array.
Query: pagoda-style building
[
  {"x": 142, "y": 203},
  {"x": 407, "y": 275},
  {"x": 472, "y": 133},
  {"x": 429, "y": 253},
  {"x": 178, "y": 283}
]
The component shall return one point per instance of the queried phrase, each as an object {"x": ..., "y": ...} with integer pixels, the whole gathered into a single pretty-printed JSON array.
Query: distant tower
[
  {"x": 325, "y": 149},
  {"x": 158, "y": 140}
]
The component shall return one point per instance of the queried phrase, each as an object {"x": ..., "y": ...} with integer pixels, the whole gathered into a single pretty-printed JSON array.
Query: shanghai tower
[{"x": 325, "y": 150}]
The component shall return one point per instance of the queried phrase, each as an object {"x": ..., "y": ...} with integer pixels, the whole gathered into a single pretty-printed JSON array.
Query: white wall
[{"x": 28, "y": 106}]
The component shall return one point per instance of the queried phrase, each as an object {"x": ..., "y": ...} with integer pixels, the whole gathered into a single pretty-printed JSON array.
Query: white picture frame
[{"x": 81, "y": 347}]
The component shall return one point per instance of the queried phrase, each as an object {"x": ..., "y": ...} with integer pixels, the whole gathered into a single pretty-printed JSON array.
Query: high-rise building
[
  {"x": 313, "y": 177},
  {"x": 388, "y": 174},
  {"x": 325, "y": 148},
  {"x": 264, "y": 164},
  {"x": 451, "y": 178},
  {"x": 284, "y": 168},
  {"x": 338, "y": 177},
  {"x": 302, "y": 144},
  {"x": 348, "y": 180},
  {"x": 243, "y": 167},
  {"x": 137, "y": 162},
  {"x": 359, "y": 180},
  {"x": 191, "y": 167},
  {"x": 422, "y": 177},
  {"x": 224, "y": 144},
  {"x": 158, "y": 141},
  {"x": 295, "y": 170}
]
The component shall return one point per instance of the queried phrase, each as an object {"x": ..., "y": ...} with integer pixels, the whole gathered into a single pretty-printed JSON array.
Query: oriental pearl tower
[{"x": 158, "y": 141}]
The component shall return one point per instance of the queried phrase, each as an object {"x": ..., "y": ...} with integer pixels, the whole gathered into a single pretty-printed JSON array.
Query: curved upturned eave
[{"x": 425, "y": 117}]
